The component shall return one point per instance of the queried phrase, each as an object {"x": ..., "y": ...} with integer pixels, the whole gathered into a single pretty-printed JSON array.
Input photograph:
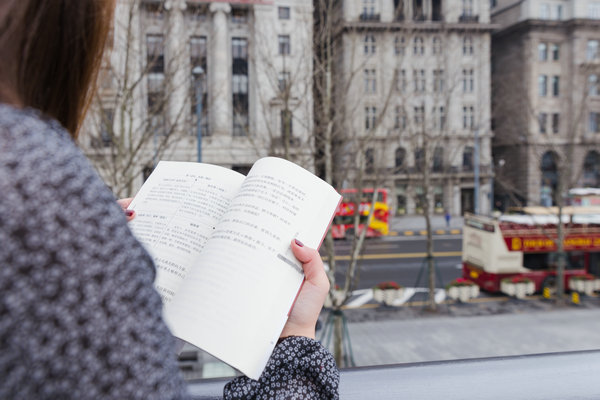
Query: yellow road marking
[
  {"x": 408, "y": 233},
  {"x": 423, "y": 232},
  {"x": 400, "y": 255},
  {"x": 440, "y": 231},
  {"x": 455, "y": 231}
]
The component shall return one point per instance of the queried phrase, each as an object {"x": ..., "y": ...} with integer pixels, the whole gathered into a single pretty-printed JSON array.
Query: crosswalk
[{"x": 362, "y": 297}]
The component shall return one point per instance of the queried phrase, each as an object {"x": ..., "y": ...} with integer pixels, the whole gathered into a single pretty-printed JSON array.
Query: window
[
  {"x": 399, "y": 118},
  {"x": 542, "y": 85},
  {"x": 468, "y": 159},
  {"x": 555, "y": 122},
  {"x": 239, "y": 85},
  {"x": 239, "y": 15},
  {"x": 420, "y": 158},
  {"x": 594, "y": 122},
  {"x": 106, "y": 126},
  {"x": 283, "y": 81},
  {"x": 467, "y": 45},
  {"x": 593, "y": 85},
  {"x": 544, "y": 11},
  {"x": 556, "y": 12},
  {"x": 468, "y": 117},
  {"x": 370, "y": 81},
  {"x": 368, "y": 8},
  {"x": 401, "y": 80},
  {"x": 468, "y": 81},
  {"x": 370, "y": 161},
  {"x": 467, "y": 8},
  {"x": 555, "y": 48},
  {"x": 542, "y": 122},
  {"x": 283, "y": 12},
  {"x": 591, "y": 169},
  {"x": 286, "y": 124},
  {"x": 438, "y": 159},
  {"x": 592, "y": 50},
  {"x": 370, "y": 117},
  {"x": 370, "y": 45},
  {"x": 594, "y": 10},
  {"x": 399, "y": 45},
  {"x": 198, "y": 52},
  {"x": 437, "y": 45},
  {"x": 155, "y": 53},
  {"x": 419, "y": 80},
  {"x": 439, "y": 117},
  {"x": 438, "y": 80},
  {"x": 542, "y": 52},
  {"x": 555, "y": 86},
  {"x": 419, "y": 115},
  {"x": 284, "y": 44},
  {"x": 418, "y": 46},
  {"x": 400, "y": 158}
]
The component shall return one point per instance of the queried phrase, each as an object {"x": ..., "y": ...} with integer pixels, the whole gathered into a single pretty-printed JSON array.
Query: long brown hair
[{"x": 50, "y": 53}]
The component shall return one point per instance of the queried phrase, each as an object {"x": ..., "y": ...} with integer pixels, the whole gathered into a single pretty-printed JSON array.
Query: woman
[{"x": 79, "y": 318}]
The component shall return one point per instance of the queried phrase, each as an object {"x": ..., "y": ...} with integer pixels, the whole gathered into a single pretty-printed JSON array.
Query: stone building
[
  {"x": 546, "y": 99},
  {"x": 246, "y": 64},
  {"x": 414, "y": 80}
]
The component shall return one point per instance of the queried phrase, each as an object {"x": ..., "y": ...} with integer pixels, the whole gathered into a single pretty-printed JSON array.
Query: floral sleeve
[{"x": 299, "y": 368}]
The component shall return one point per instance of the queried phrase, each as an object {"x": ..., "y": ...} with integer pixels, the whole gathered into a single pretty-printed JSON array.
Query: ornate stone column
[{"x": 220, "y": 82}]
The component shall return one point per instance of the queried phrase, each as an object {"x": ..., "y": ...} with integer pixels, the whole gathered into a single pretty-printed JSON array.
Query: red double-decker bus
[{"x": 378, "y": 223}]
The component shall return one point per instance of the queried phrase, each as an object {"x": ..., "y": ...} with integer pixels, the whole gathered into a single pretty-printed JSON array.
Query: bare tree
[{"x": 123, "y": 136}]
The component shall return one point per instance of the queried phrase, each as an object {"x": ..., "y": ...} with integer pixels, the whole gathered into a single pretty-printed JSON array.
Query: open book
[{"x": 221, "y": 244}]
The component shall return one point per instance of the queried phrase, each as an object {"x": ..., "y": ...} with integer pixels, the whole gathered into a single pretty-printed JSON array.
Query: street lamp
[{"x": 198, "y": 72}]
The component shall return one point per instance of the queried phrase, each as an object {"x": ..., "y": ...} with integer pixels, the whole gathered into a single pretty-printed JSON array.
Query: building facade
[
  {"x": 244, "y": 66},
  {"x": 546, "y": 99},
  {"x": 416, "y": 93}
]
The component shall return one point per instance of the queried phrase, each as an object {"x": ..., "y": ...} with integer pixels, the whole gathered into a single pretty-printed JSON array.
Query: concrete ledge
[{"x": 565, "y": 376}]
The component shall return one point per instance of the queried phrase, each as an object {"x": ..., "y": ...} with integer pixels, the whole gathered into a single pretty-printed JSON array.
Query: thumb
[{"x": 311, "y": 263}]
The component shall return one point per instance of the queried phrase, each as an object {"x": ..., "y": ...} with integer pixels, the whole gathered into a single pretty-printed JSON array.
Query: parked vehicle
[
  {"x": 525, "y": 244},
  {"x": 343, "y": 221}
]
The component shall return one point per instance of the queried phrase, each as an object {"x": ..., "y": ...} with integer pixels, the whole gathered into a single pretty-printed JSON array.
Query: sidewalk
[{"x": 413, "y": 225}]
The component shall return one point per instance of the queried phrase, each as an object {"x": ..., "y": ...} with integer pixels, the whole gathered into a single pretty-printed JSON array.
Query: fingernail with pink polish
[{"x": 299, "y": 243}]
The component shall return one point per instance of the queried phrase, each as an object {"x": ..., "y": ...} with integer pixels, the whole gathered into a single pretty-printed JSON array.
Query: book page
[
  {"x": 177, "y": 209},
  {"x": 235, "y": 303}
]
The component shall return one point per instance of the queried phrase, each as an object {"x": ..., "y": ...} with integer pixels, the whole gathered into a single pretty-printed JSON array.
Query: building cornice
[
  {"x": 529, "y": 25},
  {"x": 370, "y": 26}
]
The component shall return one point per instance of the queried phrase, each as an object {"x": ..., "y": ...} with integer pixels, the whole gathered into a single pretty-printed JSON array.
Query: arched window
[
  {"x": 400, "y": 158},
  {"x": 591, "y": 169},
  {"x": 549, "y": 178}
]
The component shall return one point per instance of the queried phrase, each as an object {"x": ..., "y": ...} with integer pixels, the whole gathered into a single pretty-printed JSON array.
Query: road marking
[
  {"x": 423, "y": 233},
  {"x": 455, "y": 231},
  {"x": 393, "y": 233},
  {"x": 408, "y": 233},
  {"x": 364, "y": 296},
  {"x": 440, "y": 231},
  {"x": 399, "y": 255}
]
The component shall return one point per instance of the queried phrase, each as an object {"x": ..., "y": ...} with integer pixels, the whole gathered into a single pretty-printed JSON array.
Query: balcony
[
  {"x": 369, "y": 17},
  {"x": 468, "y": 19}
]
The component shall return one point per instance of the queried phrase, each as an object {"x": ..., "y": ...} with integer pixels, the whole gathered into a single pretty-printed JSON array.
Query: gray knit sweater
[{"x": 79, "y": 317}]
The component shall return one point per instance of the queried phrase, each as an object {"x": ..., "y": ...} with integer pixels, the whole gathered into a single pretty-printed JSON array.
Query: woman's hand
[
  {"x": 304, "y": 316},
  {"x": 124, "y": 203}
]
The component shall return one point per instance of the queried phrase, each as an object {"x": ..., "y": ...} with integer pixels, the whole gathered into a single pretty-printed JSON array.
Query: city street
[{"x": 401, "y": 259}]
